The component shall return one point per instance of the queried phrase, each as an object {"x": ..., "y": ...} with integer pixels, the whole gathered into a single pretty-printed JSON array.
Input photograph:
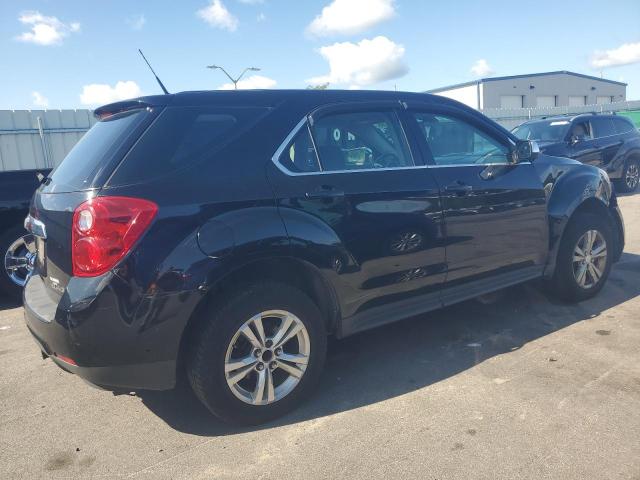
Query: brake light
[{"x": 104, "y": 230}]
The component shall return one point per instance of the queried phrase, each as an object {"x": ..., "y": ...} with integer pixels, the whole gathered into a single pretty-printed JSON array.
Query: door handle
[
  {"x": 325, "y": 191},
  {"x": 459, "y": 188}
]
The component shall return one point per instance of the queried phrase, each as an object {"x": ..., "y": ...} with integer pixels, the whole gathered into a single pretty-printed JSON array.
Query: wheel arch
[{"x": 290, "y": 270}]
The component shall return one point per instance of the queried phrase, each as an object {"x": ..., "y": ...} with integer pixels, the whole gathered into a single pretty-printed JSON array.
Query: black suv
[
  {"x": 226, "y": 234},
  {"x": 610, "y": 142}
]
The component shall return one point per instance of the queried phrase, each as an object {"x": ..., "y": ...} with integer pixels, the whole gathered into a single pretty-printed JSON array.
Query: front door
[
  {"x": 363, "y": 205},
  {"x": 583, "y": 146},
  {"x": 495, "y": 210}
]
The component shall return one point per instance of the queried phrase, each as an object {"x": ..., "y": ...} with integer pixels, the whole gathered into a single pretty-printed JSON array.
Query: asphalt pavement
[{"x": 524, "y": 387}]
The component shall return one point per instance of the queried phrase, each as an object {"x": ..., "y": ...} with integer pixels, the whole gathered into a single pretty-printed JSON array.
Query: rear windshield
[
  {"x": 94, "y": 152},
  {"x": 543, "y": 131},
  {"x": 181, "y": 136}
]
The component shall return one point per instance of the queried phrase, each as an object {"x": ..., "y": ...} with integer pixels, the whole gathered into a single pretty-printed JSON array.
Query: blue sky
[{"x": 75, "y": 54}]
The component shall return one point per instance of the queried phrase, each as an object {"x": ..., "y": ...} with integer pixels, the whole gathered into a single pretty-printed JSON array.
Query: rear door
[
  {"x": 495, "y": 211},
  {"x": 606, "y": 139},
  {"x": 369, "y": 190}
]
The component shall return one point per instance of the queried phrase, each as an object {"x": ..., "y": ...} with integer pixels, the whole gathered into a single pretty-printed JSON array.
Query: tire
[
  {"x": 630, "y": 176},
  {"x": 9, "y": 279},
  {"x": 212, "y": 353},
  {"x": 565, "y": 283}
]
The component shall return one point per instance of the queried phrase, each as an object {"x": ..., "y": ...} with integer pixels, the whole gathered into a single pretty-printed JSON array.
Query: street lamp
[{"x": 234, "y": 80}]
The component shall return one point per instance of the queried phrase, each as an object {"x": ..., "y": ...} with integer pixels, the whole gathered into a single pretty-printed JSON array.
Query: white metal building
[
  {"x": 32, "y": 139},
  {"x": 536, "y": 90}
]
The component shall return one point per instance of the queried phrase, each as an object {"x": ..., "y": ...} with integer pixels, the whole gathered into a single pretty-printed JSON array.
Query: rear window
[
  {"x": 602, "y": 127},
  {"x": 181, "y": 136},
  {"x": 94, "y": 152}
]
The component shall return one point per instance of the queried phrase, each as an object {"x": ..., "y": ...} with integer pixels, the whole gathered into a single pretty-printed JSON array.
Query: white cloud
[
  {"x": 625, "y": 54},
  {"x": 351, "y": 16},
  {"x": 101, "y": 93},
  {"x": 252, "y": 82},
  {"x": 45, "y": 30},
  {"x": 39, "y": 100},
  {"x": 481, "y": 68},
  {"x": 261, "y": 17},
  {"x": 217, "y": 15},
  {"x": 363, "y": 63},
  {"x": 136, "y": 22}
]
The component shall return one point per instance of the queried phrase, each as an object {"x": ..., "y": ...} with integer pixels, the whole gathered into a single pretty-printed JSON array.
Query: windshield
[{"x": 543, "y": 131}]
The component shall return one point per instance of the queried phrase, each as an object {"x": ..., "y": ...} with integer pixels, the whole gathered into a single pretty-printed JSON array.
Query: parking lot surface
[{"x": 524, "y": 387}]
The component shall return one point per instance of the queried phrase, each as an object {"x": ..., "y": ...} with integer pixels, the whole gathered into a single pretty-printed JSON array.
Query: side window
[
  {"x": 602, "y": 127},
  {"x": 300, "y": 156},
  {"x": 454, "y": 142},
  {"x": 622, "y": 125},
  {"x": 361, "y": 140},
  {"x": 581, "y": 130}
]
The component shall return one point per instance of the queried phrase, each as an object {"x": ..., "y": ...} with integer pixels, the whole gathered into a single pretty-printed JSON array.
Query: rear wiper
[{"x": 42, "y": 179}]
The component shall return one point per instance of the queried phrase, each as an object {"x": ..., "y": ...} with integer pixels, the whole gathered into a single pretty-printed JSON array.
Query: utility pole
[{"x": 237, "y": 79}]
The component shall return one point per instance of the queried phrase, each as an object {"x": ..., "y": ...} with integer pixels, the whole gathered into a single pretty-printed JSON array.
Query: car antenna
[{"x": 166, "y": 92}]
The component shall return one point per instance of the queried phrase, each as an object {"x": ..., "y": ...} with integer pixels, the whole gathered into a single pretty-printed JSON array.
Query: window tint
[
  {"x": 622, "y": 125},
  {"x": 455, "y": 142},
  {"x": 361, "y": 140},
  {"x": 180, "y": 136},
  {"x": 300, "y": 156},
  {"x": 94, "y": 151},
  {"x": 602, "y": 127},
  {"x": 582, "y": 130}
]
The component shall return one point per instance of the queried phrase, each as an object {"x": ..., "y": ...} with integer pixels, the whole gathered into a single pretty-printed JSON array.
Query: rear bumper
[
  {"x": 141, "y": 376},
  {"x": 106, "y": 343}
]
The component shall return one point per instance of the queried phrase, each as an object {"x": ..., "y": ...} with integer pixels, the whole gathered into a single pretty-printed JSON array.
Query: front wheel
[
  {"x": 259, "y": 354},
  {"x": 584, "y": 258}
]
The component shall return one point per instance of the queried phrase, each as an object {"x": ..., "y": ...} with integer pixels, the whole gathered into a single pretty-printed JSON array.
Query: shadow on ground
[
  {"x": 393, "y": 360},
  {"x": 6, "y": 303}
]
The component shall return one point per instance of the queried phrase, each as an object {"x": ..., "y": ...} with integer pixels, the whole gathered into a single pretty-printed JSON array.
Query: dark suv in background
[
  {"x": 226, "y": 234},
  {"x": 610, "y": 142}
]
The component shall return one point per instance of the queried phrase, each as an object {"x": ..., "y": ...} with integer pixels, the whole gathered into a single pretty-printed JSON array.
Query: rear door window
[
  {"x": 622, "y": 125},
  {"x": 602, "y": 127},
  {"x": 95, "y": 152},
  {"x": 300, "y": 156},
  {"x": 361, "y": 140},
  {"x": 182, "y": 136}
]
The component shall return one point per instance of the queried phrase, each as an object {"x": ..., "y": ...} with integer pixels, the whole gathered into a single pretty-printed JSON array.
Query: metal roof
[{"x": 529, "y": 75}]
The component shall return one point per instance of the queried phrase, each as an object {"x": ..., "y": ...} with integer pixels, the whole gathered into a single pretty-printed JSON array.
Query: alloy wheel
[
  {"x": 18, "y": 260},
  {"x": 267, "y": 357},
  {"x": 589, "y": 259},
  {"x": 632, "y": 176}
]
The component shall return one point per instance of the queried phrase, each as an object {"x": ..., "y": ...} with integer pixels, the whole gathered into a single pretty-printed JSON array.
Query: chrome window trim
[{"x": 275, "y": 159}]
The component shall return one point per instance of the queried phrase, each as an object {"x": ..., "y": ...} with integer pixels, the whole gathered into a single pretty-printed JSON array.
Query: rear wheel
[
  {"x": 259, "y": 355},
  {"x": 584, "y": 258},
  {"x": 630, "y": 176},
  {"x": 16, "y": 252}
]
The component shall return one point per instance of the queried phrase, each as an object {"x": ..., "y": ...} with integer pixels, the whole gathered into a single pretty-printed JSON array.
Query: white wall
[{"x": 467, "y": 95}]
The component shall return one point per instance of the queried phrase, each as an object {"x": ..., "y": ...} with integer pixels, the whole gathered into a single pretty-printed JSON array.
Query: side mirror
[{"x": 526, "y": 151}]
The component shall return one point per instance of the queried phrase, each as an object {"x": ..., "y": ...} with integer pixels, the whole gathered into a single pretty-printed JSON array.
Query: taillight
[{"x": 105, "y": 229}]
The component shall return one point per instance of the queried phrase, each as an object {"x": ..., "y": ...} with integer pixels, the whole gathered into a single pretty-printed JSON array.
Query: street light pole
[{"x": 234, "y": 80}]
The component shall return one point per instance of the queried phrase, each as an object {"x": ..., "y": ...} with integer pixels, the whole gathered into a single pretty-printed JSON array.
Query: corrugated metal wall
[{"x": 31, "y": 139}]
